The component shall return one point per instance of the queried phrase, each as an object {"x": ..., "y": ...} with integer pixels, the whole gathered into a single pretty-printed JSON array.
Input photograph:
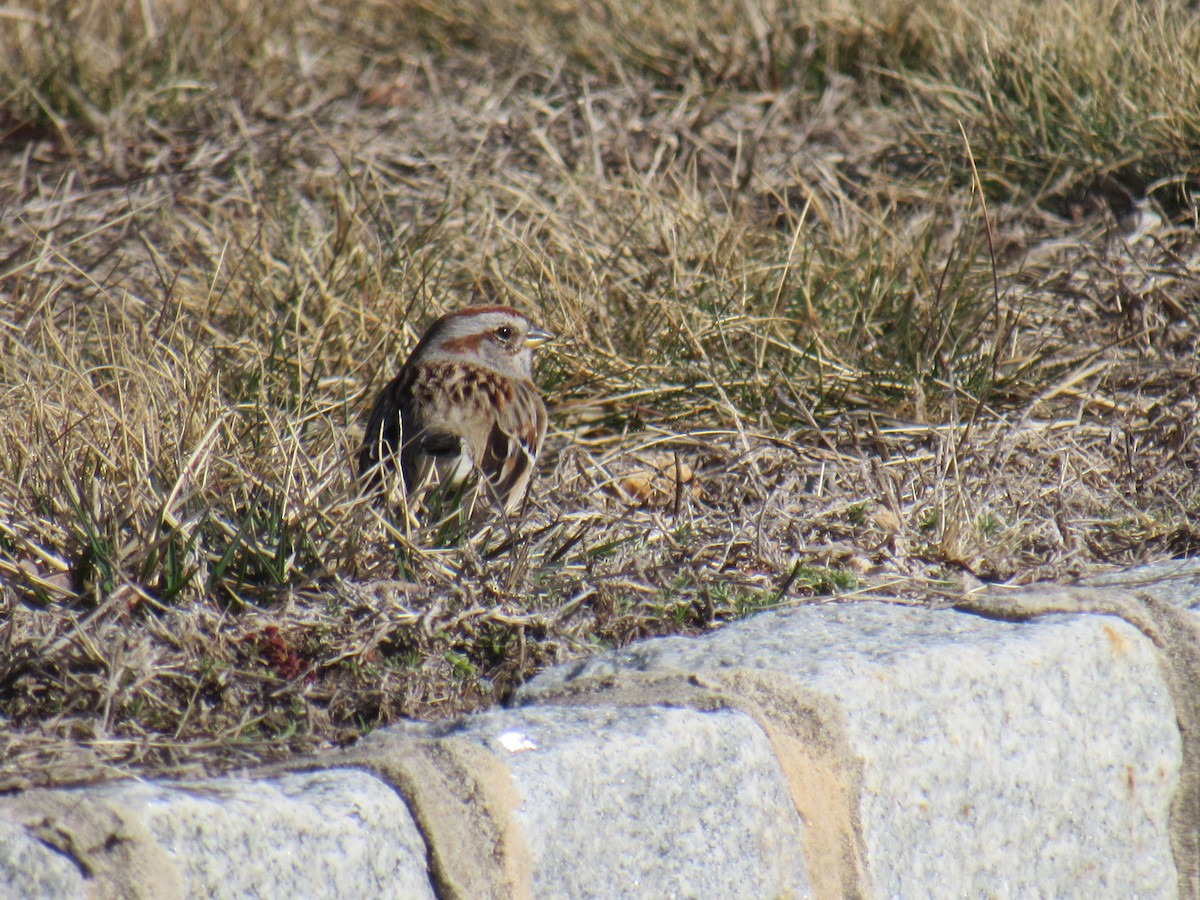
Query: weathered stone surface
[
  {"x": 997, "y": 758},
  {"x": 1161, "y": 601},
  {"x": 31, "y": 868},
  {"x": 461, "y": 796},
  {"x": 331, "y": 833},
  {"x": 1175, "y": 581},
  {"x": 638, "y": 802}
]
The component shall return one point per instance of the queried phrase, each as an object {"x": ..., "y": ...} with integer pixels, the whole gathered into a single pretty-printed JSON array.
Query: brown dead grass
[{"x": 763, "y": 236}]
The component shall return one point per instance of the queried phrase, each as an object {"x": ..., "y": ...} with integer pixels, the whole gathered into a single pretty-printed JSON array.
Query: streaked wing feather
[
  {"x": 382, "y": 436},
  {"x": 513, "y": 445}
]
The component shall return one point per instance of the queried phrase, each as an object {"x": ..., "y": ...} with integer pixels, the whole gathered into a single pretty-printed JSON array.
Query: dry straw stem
[{"x": 760, "y": 229}]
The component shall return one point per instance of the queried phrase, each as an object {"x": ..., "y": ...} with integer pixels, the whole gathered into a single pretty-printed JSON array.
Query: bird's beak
[{"x": 537, "y": 337}]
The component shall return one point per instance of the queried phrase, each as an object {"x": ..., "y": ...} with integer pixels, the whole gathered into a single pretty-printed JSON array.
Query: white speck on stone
[{"x": 515, "y": 742}]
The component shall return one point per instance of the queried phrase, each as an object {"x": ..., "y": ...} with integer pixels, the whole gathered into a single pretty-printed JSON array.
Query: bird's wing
[
  {"x": 382, "y": 437},
  {"x": 513, "y": 443}
]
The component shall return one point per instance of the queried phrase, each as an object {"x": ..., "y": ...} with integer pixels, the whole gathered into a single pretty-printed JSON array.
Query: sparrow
[{"x": 464, "y": 404}]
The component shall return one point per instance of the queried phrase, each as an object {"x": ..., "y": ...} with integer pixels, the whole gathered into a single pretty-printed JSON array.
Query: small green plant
[
  {"x": 745, "y": 603},
  {"x": 989, "y": 525},
  {"x": 461, "y": 667}
]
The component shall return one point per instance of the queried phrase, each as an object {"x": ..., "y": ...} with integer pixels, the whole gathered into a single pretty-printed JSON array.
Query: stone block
[
  {"x": 330, "y": 833},
  {"x": 635, "y": 802},
  {"x": 984, "y": 757}
]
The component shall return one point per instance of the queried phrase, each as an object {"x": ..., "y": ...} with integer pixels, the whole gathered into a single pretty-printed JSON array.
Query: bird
[{"x": 463, "y": 406}]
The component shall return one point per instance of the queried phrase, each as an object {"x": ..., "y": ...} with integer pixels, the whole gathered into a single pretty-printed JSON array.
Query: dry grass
[{"x": 855, "y": 299}]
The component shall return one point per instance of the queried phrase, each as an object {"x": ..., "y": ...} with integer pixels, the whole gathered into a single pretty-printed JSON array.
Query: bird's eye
[{"x": 504, "y": 332}]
